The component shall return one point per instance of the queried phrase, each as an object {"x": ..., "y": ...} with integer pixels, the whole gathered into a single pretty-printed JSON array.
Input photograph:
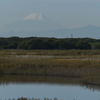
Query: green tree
[
  {"x": 97, "y": 46},
  {"x": 22, "y": 45},
  {"x": 83, "y": 45},
  {"x": 35, "y": 43}
]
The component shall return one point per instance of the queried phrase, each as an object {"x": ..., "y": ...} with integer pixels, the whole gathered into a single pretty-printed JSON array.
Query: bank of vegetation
[
  {"x": 70, "y": 63},
  {"x": 32, "y": 43}
]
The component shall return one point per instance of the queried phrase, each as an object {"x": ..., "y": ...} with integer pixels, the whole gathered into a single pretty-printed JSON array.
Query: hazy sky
[{"x": 69, "y": 13}]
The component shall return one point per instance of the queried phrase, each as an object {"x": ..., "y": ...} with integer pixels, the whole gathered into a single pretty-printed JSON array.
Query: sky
[{"x": 69, "y": 13}]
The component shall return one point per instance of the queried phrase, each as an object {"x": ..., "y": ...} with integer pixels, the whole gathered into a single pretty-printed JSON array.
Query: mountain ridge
[
  {"x": 38, "y": 25},
  {"x": 33, "y": 22},
  {"x": 82, "y": 32}
]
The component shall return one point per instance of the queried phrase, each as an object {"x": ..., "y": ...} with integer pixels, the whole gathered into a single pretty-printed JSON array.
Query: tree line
[{"x": 31, "y": 43}]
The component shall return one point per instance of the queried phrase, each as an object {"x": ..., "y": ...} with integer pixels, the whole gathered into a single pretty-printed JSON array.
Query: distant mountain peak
[
  {"x": 91, "y": 26},
  {"x": 34, "y": 16},
  {"x": 31, "y": 23}
]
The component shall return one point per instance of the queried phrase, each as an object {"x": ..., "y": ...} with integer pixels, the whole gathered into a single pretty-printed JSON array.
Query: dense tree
[
  {"x": 47, "y": 43},
  {"x": 83, "y": 45},
  {"x": 22, "y": 45},
  {"x": 97, "y": 46}
]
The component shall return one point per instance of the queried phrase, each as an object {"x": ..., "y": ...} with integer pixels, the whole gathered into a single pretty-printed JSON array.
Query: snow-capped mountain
[
  {"x": 32, "y": 22},
  {"x": 38, "y": 25}
]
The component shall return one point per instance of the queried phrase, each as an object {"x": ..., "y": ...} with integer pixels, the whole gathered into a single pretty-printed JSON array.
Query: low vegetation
[{"x": 70, "y": 63}]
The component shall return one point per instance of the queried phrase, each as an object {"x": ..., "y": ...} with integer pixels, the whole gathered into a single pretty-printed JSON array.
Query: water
[{"x": 46, "y": 87}]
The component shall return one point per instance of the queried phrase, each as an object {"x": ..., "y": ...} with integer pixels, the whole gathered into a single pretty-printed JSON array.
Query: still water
[{"x": 63, "y": 88}]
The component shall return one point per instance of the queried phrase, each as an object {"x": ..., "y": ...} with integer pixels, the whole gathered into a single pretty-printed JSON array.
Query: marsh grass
[
  {"x": 50, "y": 52},
  {"x": 71, "y": 63},
  {"x": 61, "y": 67}
]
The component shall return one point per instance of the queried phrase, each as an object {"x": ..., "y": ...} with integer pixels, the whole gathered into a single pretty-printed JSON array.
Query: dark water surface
[{"x": 65, "y": 88}]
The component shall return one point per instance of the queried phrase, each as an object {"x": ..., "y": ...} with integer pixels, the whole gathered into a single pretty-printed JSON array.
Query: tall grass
[
  {"x": 50, "y": 52},
  {"x": 59, "y": 67},
  {"x": 71, "y": 63}
]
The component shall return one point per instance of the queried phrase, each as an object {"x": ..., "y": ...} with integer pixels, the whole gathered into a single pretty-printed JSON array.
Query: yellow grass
[{"x": 52, "y": 62}]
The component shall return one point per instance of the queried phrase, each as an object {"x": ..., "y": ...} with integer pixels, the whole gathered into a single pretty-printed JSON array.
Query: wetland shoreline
[{"x": 84, "y": 64}]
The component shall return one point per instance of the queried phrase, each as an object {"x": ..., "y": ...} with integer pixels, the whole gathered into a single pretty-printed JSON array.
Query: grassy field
[{"x": 70, "y": 63}]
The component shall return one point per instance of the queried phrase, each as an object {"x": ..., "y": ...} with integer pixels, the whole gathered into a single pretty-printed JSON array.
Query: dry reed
[{"x": 78, "y": 63}]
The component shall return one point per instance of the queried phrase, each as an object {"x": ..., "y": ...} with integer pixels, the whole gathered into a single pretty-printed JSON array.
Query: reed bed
[
  {"x": 50, "y": 52},
  {"x": 50, "y": 63},
  {"x": 87, "y": 69}
]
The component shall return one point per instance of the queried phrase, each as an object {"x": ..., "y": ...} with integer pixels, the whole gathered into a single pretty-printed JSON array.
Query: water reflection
[
  {"x": 57, "y": 80},
  {"x": 66, "y": 88},
  {"x": 24, "y": 79}
]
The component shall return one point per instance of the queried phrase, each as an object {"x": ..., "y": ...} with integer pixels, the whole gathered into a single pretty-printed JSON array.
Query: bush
[
  {"x": 97, "y": 46},
  {"x": 83, "y": 45}
]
